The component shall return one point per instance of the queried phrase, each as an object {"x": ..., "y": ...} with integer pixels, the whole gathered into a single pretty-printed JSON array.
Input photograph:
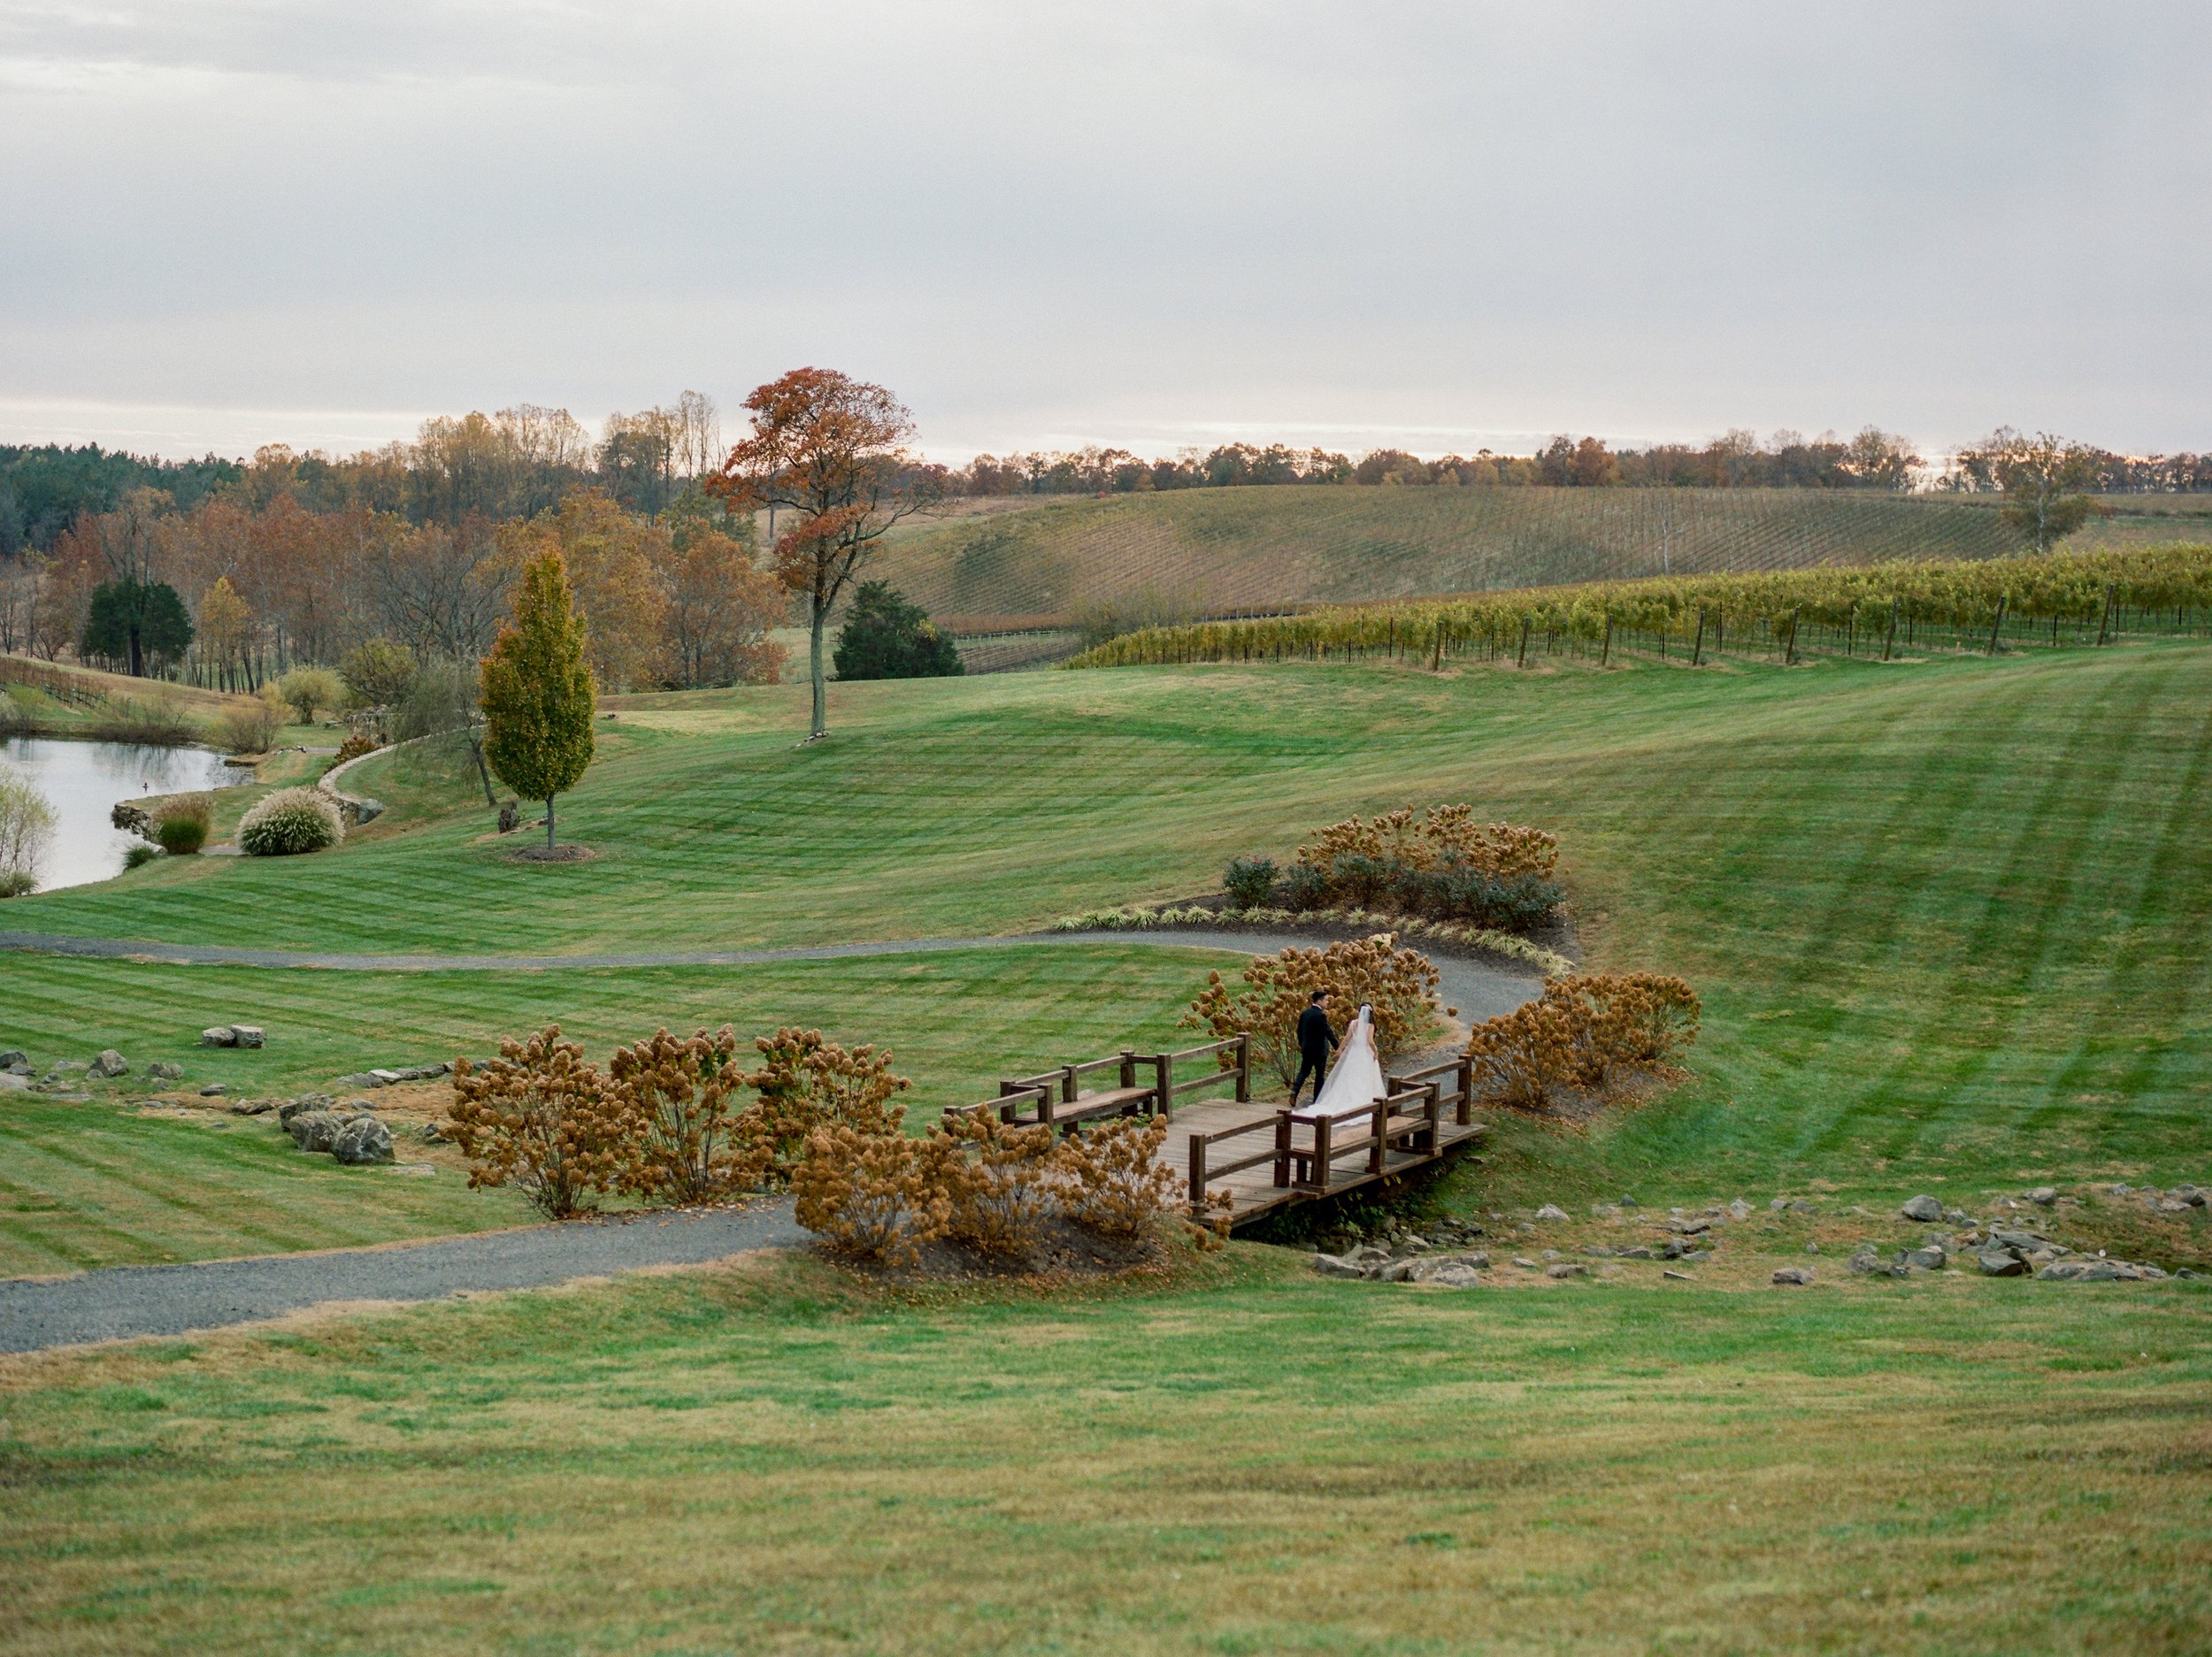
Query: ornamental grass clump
[
  {"x": 539, "y": 1117},
  {"x": 1586, "y": 1034},
  {"x": 692, "y": 1137},
  {"x": 1400, "y": 983},
  {"x": 183, "y": 823},
  {"x": 1442, "y": 864},
  {"x": 289, "y": 822}
]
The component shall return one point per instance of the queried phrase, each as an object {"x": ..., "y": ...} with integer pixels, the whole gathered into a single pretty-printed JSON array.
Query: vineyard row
[{"x": 2061, "y": 598}]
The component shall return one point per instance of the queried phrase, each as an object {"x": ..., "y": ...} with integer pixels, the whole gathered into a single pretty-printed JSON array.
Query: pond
[{"x": 83, "y": 780}]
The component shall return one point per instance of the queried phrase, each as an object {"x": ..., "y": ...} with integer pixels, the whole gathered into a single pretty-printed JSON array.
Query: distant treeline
[{"x": 1738, "y": 460}]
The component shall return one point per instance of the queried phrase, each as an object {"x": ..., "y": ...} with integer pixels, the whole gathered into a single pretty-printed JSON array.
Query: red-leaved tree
[{"x": 831, "y": 451}]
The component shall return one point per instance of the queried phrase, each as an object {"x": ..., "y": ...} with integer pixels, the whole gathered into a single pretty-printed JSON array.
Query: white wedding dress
[{"x": 1356, "y": 1080}]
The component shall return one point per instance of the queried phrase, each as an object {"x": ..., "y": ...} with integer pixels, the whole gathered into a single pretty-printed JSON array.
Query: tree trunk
[
  {"x": 548, "y": 822},
  {"x": 476, "y": 748},
  {"x": 817, "y": 617}
]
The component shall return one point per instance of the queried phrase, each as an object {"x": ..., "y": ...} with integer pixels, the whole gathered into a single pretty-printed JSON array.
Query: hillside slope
[{"x": 1224, "y": 550}]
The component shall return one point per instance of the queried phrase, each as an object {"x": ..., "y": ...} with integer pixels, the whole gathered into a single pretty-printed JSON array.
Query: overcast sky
[{"x": 1442, "y": 227}]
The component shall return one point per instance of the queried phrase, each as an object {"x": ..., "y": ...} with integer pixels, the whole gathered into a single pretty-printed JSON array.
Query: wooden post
[
  {"x": 1522, "y": 660},
  {"x": 1720, "y": 630},
  {"x": 1436, "y": 651},
  {"x": 2105, "y": 620},
  {"x": 1432, "y": 1109},
  {"x": 1790, "y": 655},
  {"x": 1697, "y": 650},
  {"x": 1320, "y": 1154},
  {"x": 1999, "y": 622},
  {"x": 1282, "y": 1150},
  {"x": 1164, "y": 1103},
  {"x": 1378, "y": 1147},
  {"x": 1244, "y": 1069},
  {"x": 1128, "y": 1067},
  {"x": 1466, "y": 1091},
  {"x": 1890, "y": 643},
  {"x": 1197, "y": 1176},
  {"x": 1069, "y": 1085},
  {"x": 1606, "y": 655}
]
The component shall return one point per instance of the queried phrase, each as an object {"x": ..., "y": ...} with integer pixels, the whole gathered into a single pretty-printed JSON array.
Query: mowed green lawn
[
  {"x": 101, "y": 1184},
  {"x": 763, "y": 1459}
]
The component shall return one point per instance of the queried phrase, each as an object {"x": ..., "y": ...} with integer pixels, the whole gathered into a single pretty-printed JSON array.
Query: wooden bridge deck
[{"x": 1253, "y": 1192}]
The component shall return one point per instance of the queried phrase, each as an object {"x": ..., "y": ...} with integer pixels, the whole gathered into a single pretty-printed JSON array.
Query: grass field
[
  {"x": 766, "y": 1458},
  {"x": 1224, "y": 550}
]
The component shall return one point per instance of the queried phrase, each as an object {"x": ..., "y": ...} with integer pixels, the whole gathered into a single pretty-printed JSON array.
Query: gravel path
[
  {"x": 123, "y": 1302},
  {"x": 1478, "y": 989}
]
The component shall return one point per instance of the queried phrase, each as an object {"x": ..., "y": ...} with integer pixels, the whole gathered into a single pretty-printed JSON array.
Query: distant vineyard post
[
  {"x": 1890, "y": 643},
  {"x": 1999, "y": 622}
]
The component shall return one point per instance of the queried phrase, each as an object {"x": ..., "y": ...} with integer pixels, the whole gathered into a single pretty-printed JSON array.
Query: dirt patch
[{"x": 552, "y": 855}]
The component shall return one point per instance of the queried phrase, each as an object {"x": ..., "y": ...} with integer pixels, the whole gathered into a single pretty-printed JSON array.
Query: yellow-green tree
[{"x": 538, "y": 693}]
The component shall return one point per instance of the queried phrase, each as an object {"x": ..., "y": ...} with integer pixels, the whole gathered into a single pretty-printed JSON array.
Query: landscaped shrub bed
[
  {"x": 1442, "y": 865},
  {"x": 667, "y": 1122},
  {"x": 289, "y": 822},
  {"x": 1399, "y": 984}
]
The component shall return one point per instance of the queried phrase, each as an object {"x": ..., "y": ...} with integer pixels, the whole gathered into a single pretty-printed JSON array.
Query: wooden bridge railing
[{"x": 1057, "y": 1099}]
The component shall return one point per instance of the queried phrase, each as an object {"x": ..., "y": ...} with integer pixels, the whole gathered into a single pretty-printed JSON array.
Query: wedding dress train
[{"x": 1356, "y": 1080}]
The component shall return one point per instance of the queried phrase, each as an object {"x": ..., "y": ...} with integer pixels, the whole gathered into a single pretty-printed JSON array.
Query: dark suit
[{"x": 1315, "y": 1039}]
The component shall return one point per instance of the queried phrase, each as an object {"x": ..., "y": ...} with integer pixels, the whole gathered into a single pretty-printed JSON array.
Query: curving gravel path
[
  {"x": 123, "y": 1302},
  {"x": 1478, "y": 989}
]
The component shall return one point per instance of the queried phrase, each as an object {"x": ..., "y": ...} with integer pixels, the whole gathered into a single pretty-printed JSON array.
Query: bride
[{"x": 1355, "y": 1081}]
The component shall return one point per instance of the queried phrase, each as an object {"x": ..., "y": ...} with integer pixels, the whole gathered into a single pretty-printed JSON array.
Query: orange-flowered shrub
[
  {"x": 806, "y": 1083},
  {"x": 1400, "y": 983},
  {"x": 1002, "y": 1200},
  {"x": 1109, "y": 1179},
  {"x": 876, "y": 1195},
  {"x": 692, "y": 1137},
  {"x": 542, "y": 1119},
  {"x": 1588, "y": 1031}
]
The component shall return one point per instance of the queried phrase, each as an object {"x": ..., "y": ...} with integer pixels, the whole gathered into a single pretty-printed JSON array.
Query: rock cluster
[
  {"x": 2179, "y": 1200},
  {"x": 351, "y": 1133},
  {"x": 1999, "y": 1251},
  {"x": 234, "y": 1036},
  {"x": 1454, "y": 1270}
]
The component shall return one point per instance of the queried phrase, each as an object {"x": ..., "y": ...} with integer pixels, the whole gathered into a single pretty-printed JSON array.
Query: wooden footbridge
[{"x": 1243, "y": 1160}]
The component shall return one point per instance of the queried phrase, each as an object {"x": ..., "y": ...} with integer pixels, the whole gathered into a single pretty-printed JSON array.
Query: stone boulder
[
  {"x": 1926, "y": 1210},
  {"x": 161, "y": 1070},
  {"x": 363, "y": 1140},
  {"x": 1928, "y": 1259},
  {"x": 248, "y": 1035},
  {"x": 1336, "y": 1266},
  {"x": 1794, "y": 1277},
  {"x": 218, "y": 1036},
  {"x": 316, "y": 1130},
  {"x": 1551, "y": 1211},
  {"x": 15, "y": 1061},
  {"x": 304, "y": 1102},
  {"x": 214, "y": 1090},
  {"x": 2044, "y": 1196},
  {"x": 109, "y": 1062},
  {"x": 2001, "y": 1262},
  {"x": 1453, "y": 1278},
  {"x": 1566, "y": 1269}
]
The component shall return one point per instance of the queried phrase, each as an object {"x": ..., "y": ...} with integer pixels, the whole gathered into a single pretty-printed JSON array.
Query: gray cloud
[{"x": 1435, "y": 224}]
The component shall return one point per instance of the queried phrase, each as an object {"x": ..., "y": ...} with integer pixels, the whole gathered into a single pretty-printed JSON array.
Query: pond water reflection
[{"x": 83, "y": 780}]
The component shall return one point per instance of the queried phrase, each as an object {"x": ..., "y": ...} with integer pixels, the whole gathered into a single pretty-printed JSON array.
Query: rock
[
  {"x": 1637, "y": 1251},
  {"x": 2189, "y": 1194},
  {"x": 2001, "y": 1262},
  {"x": 1925, "y": 1209},
  {"x": 359, "y": 1078},
  {"x": 1415, "y": 1246},
  {"x": 1628, "y": 1202},
  {"x": 2079, "y": 1272},
  {"x": 304, "y": 1102},
  {"x": 1567, "y": 1269},
  {"x": 248, "y": 1035},
  {"x": 363, "y": 1140},
  {"x": 218, "y": 1036},
  {"x": 253, "y": 1107},
  {"x": 315, "y": 1130},
  {"x": 1739, "y": 1209},
  {"x": 1453, "y": 1278},
  {"x": 1335, "y": 1266},
  {"x": 1778, "y": 1204},
  {"x": 1864, "y": 1259},
  {"x": 110, "y": 1062},
  {"x": 1693, "y": 1256},
  {"x": 434, "y": 1134},
  {"x": 214, "y": 1090},
  {"x": 1677, "y": 1277},
  {"x": 160, "y": 1071},
  {"x": 15, "y": 1061},
  {"x": 1394, "y": 1271},
  {"x": 1812, "y": 1248},
  {"x": 1368, "y": 1254},
  {"x": 1551, "y": 1211},
  {"x": 1958, "y": 1216},
  {"x": 2172, "y": 1205},
  {"x": 2045, "y": 1195},
  {"x": 1689, "y": 1228},
  {"x": 10, "y": 1083},
  {"x": 1794, "y": 1275},
  {"x": 1929, "y": 1259},
  {"x": 1524, "y": 1264}
]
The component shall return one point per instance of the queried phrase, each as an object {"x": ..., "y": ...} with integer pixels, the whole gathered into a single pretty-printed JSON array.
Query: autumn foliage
[
  {"x": 687, "y": 1137},
  {"x": 1400, "y": 983},
  {"x": 544, "y": 1119},
  {"x": 806, "y": 1085},
  {"x": 1587, "y": 1033}
]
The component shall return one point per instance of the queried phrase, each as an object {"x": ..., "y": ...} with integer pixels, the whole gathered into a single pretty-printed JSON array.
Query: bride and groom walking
[{"x": 1357, "y": 1080}]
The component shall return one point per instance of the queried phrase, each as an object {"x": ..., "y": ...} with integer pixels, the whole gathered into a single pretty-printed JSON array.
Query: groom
[{"x": 1315, "y": 1039}]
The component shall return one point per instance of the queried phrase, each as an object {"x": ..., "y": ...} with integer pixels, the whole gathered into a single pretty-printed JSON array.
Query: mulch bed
[{"x": 552, "y": 855}]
